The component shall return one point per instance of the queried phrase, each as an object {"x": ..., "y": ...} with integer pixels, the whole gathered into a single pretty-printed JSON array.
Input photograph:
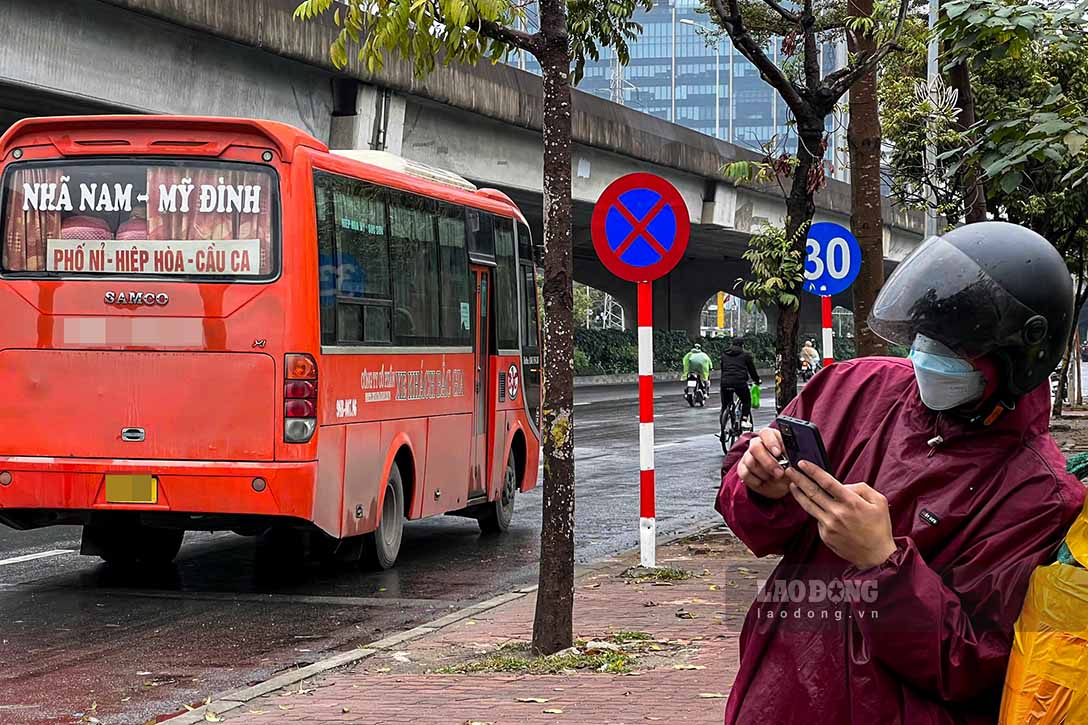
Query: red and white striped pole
[
  {"x": 829, "y": 346},
  {"x": 647, "y": 527}
]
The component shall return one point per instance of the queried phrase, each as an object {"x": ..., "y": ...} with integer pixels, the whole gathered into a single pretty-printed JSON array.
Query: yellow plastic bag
[{"x": 1047, "y": 679}]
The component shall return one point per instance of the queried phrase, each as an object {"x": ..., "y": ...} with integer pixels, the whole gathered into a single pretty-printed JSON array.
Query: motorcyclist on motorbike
[
  {"x": 737, "y": 367},
  {"x": 810, "y": 354},
  {"x": 697, "y": 361}
]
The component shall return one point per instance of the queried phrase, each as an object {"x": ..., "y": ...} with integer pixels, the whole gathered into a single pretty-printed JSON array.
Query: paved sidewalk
[{"x": 679, "y": 638}]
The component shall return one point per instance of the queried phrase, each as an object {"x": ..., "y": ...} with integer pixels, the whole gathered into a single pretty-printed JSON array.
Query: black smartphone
[{"x": 803, "y": 442}]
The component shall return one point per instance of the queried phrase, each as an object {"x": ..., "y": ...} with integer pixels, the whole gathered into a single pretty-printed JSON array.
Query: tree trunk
[
  {"x": 553, "y": 626},
  {"x": 974, "y": 193},
  {"x": 866, "y": 220},
  {"x": 800, "y": 208}
]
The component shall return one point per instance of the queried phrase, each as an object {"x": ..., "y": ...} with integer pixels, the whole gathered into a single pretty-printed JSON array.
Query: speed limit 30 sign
[
  {"x": 832, "y": 259},
  {"x": 832, "y": 263}
]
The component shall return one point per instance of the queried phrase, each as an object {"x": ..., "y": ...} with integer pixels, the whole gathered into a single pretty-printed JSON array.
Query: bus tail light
[{"x": 299, "y": 398}]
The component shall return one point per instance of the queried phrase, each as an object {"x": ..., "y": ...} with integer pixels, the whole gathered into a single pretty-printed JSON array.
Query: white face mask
[{"x": 945, "y": 380}]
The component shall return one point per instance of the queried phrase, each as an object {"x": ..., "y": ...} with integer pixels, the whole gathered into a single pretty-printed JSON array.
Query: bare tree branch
[
  {"x": 511, "y": 36},
  {"x": 729, "y": 17},
  {"x": 788, "y": 16}
]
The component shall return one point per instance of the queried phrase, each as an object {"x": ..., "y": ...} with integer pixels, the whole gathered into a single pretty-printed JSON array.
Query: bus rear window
[{"x": 207, "y": 221}]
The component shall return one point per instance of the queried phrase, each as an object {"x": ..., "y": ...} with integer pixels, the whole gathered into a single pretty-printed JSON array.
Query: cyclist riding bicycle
[
  {"x": 737, "y": 367},
  {"x": 697, "y": 361}
]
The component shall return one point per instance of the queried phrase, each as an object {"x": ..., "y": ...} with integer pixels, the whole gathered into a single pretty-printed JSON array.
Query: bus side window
[
  {"x": 357, "y": 224},
  {"x": 506, "y": 286},
  {"x": 455, "y": 288},
  {"x": 414, "y": 257},
  {"x": 326, "y": 259},
  {"x": 481, "y": 235},
  {"x": 530, "y": 321}
]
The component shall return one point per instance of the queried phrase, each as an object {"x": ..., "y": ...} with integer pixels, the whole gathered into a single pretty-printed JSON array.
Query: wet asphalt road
[{"x": 79, "y": 639}]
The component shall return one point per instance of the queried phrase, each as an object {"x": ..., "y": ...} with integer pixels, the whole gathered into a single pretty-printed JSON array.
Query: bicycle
[{"x": 730, "y": 424}]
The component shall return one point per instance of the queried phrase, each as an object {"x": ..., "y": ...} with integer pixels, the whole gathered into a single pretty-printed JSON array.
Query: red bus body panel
[{"x": 203, "y": 375}]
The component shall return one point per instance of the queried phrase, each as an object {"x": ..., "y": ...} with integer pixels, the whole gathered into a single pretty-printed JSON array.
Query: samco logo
[{"x": 149, "y": 299}]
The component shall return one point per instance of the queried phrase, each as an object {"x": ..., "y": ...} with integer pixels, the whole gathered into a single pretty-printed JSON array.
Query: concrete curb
[{"x": 235, "y": 699}]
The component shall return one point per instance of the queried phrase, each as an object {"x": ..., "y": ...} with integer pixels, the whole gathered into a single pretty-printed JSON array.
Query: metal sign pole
[
  {"x": 647, "y": 529},
  {"x": 828, "y": 341},
  {"x": 640, "y": 229}
]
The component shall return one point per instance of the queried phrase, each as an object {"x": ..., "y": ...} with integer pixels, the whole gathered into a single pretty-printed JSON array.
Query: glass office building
[{"x": 675, "y": 75}]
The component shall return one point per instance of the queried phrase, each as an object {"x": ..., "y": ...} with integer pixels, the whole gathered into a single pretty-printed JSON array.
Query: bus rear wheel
[
  {"x": 496, "y": 515},
  {"x": 381, "y": 546},
  {"x": 132, "y": 545}
]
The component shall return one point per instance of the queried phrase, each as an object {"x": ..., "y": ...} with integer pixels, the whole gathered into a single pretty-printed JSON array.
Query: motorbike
[
  {"x": 806, "y": 371},
  {"x": 695, "y": 390}
]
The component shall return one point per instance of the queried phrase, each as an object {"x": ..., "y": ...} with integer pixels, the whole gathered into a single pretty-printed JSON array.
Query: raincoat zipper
[{"x": 937, "y": 438}]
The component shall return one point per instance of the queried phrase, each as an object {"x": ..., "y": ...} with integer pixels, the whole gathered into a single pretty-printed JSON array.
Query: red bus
[{"x": 219, "y": 324}]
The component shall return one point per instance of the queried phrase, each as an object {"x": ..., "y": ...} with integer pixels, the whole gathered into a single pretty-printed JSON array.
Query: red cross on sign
[{"x": 640, "y": 227}]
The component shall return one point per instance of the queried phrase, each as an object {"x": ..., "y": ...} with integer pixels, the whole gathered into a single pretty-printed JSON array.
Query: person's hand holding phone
[
  {"x": 853, "y": 519},
  {"x": 760, "y": 469}
]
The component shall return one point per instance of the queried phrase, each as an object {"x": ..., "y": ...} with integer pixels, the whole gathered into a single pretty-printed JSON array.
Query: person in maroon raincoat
[{"x": 905, "y": 564}]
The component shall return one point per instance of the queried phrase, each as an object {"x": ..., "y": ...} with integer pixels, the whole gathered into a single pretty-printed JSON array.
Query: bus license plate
[{"x": 131, "y": 489}]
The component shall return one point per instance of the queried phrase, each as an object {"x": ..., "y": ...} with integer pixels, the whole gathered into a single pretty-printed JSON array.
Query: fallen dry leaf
[
  {"x": 684, "y": 614},
  {"x": 284, "y": 707},
  {"x": 650, "y": 604},
  {"x": 552, "y": 711},
  {"x": 530, "y": 699},
  {"x": 210, "y": 716},
  {"x": 345, "y": 709},
  {"x": 689, "y": 667},
  {"x": 713, "y": 695},
  {"x": 478, "y": 722},
  {"x": 713, "y": 587}
]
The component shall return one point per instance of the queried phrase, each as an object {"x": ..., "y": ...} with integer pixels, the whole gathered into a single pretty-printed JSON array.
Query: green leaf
[{"x": 1009, "y": 182}]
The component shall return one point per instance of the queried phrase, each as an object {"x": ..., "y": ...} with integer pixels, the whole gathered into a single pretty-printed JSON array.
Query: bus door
[{"x": 482, "y": 407}]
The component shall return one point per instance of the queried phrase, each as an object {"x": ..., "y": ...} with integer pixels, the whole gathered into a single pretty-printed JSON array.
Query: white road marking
[{"x": 39, "y": 555}]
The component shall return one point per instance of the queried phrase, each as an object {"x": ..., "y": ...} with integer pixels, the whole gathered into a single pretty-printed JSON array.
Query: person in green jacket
[{"x": 697, "y": 361}]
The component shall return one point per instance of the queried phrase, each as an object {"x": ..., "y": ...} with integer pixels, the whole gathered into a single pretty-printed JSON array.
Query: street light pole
[
  {"x": 672, "y": 94},
  {"x": 718, "y": 89},
  {"x": 732, "y": 102}
]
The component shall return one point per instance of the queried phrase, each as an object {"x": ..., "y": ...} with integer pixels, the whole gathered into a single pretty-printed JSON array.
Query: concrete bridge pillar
[{"x": 366, "y": 117}]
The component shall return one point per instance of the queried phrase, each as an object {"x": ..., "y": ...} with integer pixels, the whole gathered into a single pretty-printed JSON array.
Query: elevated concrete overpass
[{"x": 250, "y": 58}]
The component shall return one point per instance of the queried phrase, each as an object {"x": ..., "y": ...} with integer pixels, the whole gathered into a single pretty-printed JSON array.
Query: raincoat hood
[{"x": 925, "y": 637}]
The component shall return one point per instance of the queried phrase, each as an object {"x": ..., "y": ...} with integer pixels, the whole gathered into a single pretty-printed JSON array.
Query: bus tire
[
  {"x": 497, "y": 515},
  {"x": 381, "y": 546},
  {"x": 132, "y": 545}
]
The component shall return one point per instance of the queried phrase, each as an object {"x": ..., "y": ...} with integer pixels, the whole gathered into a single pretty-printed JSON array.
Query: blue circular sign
[
  {"x": 832, "y": 259},
  {"x": 640, "y": 227}
]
